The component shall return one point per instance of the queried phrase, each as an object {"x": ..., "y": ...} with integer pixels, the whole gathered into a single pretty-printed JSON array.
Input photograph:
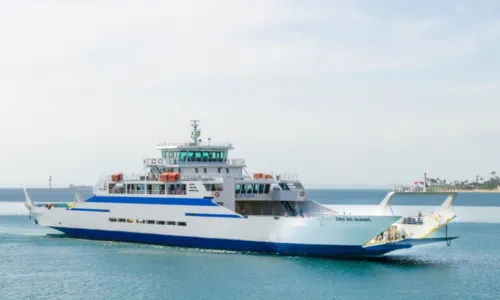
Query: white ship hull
[{"x": 208, "y": 225}]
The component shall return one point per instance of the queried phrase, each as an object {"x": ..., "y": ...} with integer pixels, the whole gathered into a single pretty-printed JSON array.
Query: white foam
[{"x": 14, "y": 208}]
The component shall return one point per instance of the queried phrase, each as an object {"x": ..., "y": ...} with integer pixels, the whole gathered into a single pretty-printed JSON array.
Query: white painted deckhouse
[{"x": 196, "y": 195}]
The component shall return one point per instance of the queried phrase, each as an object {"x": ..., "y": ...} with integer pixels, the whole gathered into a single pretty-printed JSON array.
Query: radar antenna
[{"x": 195, "y": 134}]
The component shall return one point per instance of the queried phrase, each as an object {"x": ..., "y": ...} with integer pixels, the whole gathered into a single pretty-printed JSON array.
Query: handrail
[
  {"x": 160, "y": 161},
  {"x": 409, "y": 189},
  {"x": 288, "y": 176},
  {"x": 145, "y": 192},
  {"x": 126, "y": 177},
  {"x": 53, "y": 187},
  {"x": 205, "y": 177},
  {"x": 193, "y": 177},
  {"x": 189, "y": 177},
  {"x": 318, "y": 216},
  {"x": 190, "y": 144},
  {"x": 419, "y": 220},
  {"x": 278, "y": 177}
]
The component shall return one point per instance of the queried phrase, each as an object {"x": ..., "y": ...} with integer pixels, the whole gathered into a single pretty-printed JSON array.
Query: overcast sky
[{"x": 340, "y": 92}]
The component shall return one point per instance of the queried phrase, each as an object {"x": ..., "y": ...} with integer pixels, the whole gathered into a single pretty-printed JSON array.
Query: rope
[{"x": 448, "y": 242}]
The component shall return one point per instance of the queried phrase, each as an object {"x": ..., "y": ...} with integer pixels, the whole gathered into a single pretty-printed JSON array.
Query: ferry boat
[{"x": 194, "y": 195}]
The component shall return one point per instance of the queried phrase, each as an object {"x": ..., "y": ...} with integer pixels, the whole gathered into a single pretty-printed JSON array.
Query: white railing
[
  {"x": 144, "y": 192},
  {"x": 188, "y": 177},
  {"x": 197, "y": 177},
  {"x": 419, "y": 220},
  {"x": 156, "y": 161},
  {"x": 197, "y": 161},
  {"x": 410, "y": 189},
  {"x": 53, "y": 186},
  {"x": 236, "y": 161},
  {"x": 205, "y": 177},
  {"x": 288, "y": 176},
  {"x": 281, "y": 176},
  {"x": 271, "y": 176},
  {"x": 191, "y": 144},
  {"x": 126, "y": 177},
  {"x": 176, "y": 161}
]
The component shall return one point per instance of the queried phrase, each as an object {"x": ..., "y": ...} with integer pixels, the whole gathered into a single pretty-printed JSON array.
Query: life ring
[
  {"x": 153, "y": 161},
  {"x": 302, "y": 194},
  {"x": 160, "y": 161},
  {"x": 234, "y": 162},
  {"x": 217, "y": 194}
]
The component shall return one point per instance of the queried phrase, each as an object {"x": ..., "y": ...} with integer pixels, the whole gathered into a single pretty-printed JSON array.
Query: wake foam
[
  {"x": 14, "y": 231},
  {"x": 13, "y": 209}
]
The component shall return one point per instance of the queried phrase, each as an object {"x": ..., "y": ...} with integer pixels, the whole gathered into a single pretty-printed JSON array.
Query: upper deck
[
  {"x": 202, "y": 170},
  {"x": 191, "y": 145},
  {"x": 192, "y": 158},
  {"x": 195, "y": 152}
]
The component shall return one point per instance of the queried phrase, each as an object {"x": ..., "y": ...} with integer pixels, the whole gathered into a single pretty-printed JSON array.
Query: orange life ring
[
  {"x": 302, "y": 194},
  {"x": 217, "y": 194}
]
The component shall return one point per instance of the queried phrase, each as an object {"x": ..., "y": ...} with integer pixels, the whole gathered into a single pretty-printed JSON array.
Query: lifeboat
[
  {"x": 173, "y": 176},
  {"x": 169, "y": 176},
  {"x": 117, "y": 177},
  {"x": 262, "y": 176}
]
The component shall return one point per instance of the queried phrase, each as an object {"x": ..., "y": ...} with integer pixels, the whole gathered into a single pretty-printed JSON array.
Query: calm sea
[{"x": 38, "y": 263}]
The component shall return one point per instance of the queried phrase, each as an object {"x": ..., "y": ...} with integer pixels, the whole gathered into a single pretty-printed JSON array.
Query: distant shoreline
[
  {"x": 479, "y": 191},
  {"x": 372, "y": 188}
]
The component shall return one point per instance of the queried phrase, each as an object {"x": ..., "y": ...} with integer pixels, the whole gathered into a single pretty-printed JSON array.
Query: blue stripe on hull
[
  {"x": 223, "y": 244},
  {"x": 90, "y": 209},
  {"x": 152, "y": 200},
  {"x": 212, "y": 215}
]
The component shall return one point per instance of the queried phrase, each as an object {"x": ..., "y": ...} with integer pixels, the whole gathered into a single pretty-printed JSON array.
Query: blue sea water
[{"x": 39, "y": 263}]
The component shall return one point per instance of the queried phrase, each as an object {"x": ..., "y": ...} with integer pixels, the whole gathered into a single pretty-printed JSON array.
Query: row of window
[
  {"x": 202, "y": 155},
  {"x": 142, "y": 221},
  {"x": 219, "y": 170},
  {"x": 250, "y": 188},
  {"x": 180, "y": 189},
  {"x": 155, "y": 189},
  {"x": 214, "y": 187},
  {"x": 201, "y": 159}
]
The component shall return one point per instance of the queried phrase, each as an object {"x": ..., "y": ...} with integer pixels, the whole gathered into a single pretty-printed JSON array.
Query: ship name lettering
[{"x": 353, "y": 219}]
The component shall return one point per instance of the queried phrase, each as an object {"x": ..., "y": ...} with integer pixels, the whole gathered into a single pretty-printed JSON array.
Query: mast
[
  {"x": 425, "y": 182},
  {"x": 196, "y": 133}
]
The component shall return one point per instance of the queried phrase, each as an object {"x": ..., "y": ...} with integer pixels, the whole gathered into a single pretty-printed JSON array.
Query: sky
[{"x": 362, "y": 93}]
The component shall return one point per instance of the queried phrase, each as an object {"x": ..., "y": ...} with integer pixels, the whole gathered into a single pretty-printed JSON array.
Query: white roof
[{"x": 168, "y": 145}]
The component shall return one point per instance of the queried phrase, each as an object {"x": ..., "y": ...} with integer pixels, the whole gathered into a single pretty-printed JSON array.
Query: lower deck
[{"x": 281, "y": 208}]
